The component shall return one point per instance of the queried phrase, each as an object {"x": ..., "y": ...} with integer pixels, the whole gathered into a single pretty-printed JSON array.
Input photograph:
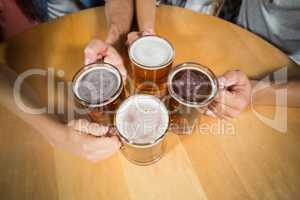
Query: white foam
[
  {"x": 94, "y": 89},
  {"x": 151, "y": 51},
  {"x": 142, "y": 119}
]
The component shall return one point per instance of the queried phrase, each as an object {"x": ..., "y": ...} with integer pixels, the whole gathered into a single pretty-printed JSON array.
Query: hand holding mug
[
  {"x": 91, "y": 140},
  {"x": 233, "y": 97},
  {"x": 97, "y": 49}
]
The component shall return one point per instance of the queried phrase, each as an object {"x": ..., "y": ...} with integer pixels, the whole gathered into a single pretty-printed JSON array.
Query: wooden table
[{"x": 253, "y": 162}]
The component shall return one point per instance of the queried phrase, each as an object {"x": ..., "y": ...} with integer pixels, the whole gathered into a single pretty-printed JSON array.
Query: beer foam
[
  {"x": 151, "y": 51},
  {"x": 98, "y": 84},
  {"x": 142, "y": 119}
]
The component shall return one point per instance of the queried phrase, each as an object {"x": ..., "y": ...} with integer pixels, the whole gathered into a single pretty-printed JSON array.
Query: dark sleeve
[
  {"x": 34, "y": 9},
  {"x": 230, "y": 10}
]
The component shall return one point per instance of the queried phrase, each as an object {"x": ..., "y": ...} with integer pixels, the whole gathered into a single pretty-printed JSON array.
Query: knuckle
[
  {"x": 94, "y": 129},
  {"x": 102, "y": 131},
  {"x": 89, "y": 51},
  {"x": 82, "y": 125}
]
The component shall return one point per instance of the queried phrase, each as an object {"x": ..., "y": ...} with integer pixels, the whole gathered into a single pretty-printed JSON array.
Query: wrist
[
  {"x": 113, "y": 35},
  {"x": 148, "y": 32}
]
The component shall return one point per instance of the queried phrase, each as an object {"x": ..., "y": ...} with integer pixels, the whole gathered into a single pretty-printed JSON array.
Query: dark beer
[
  {"x": 151, "y": 59},
  {"x": 192, "y": 87},
  {"x": 99, "y": 88}
]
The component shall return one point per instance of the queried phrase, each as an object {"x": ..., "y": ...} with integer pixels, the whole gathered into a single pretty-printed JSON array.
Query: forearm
[
  {"x": 145, "y": 11},
  {"x": 269, "y": 92},
  {"x": 119, "y": 16},
  {"x": 47, "y": 125}
]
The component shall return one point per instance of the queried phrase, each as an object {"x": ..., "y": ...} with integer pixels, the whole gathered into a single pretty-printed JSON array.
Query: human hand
[
  {"x": 233, "y": 97},
  {"x": 132, "y": 36},
  {"x": 90, "y": 140},
  {"x": 98, "y": 49},
  {"x": 87, "y": 140}
]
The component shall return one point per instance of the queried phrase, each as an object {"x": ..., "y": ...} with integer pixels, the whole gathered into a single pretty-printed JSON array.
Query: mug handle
[{"x": 99, "y": 61}]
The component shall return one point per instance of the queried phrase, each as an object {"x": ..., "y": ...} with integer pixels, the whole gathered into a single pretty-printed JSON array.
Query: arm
[
  {"x": 236, "y": 91},
  {"x": 119, "y": 16},
  {"x": 56, "y": 133},
  {"x": 278, "y": 88},
  {"x": 267, "y": 95},
  {"x": 145, "y": 12}
]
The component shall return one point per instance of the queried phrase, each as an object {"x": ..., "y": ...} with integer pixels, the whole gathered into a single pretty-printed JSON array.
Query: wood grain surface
[{"x": 248, "y": 160}]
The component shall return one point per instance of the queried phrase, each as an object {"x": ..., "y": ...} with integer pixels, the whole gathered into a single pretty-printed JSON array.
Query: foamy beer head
[
  {"x": 151, "y": 52},
  {"x": 142, "y": 120},
  {"x": 97, "y": 84},
  {"x": 151, "y": 60},
  {"x": 192, "y": 84}
]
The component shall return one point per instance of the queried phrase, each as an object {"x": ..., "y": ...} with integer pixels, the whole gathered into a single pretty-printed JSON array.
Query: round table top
[{"x": 244, "y": 158}]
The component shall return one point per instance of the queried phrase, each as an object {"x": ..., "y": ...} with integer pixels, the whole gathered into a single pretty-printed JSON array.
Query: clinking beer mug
[
  {"x": 99, "y": 88},
  {"x": 151, "y": 61},
  {"x": 191, "y": 87},
  {"x": 142, "y": 122}
]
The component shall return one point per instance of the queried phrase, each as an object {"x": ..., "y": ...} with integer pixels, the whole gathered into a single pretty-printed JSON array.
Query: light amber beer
[
  {"x": 142, "y": 122},
  {"x": 151, "y": 60},
  {"x": 98, "y": 87},
  {"x": 191, "y": 87}
]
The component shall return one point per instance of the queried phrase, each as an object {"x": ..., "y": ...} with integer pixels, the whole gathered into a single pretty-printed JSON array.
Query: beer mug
[
  {"x": 151, "y": 60},
  {"x": 99, "y": 88},
  {"x": 191, "y": 88},
  {"x": 142, "y": 122}
]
